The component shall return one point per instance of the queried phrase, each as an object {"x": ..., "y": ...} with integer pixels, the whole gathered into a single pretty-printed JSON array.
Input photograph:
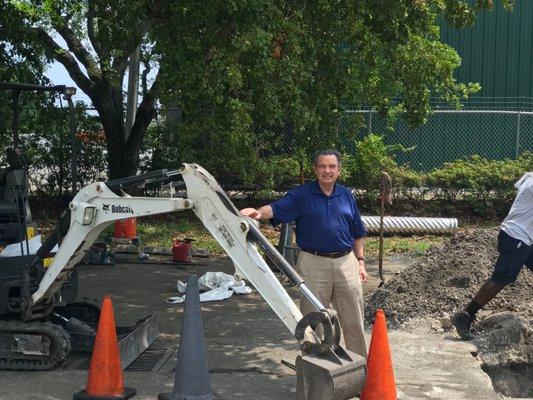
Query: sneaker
[{"x": 462, "y": 321}]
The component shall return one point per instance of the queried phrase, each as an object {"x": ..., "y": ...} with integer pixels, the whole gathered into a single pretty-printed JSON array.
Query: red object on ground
[
  {"x": 181, "y": 251},
  {"x": 126, "y": 228}
]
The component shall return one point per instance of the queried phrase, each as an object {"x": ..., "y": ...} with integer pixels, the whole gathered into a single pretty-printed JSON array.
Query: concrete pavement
[{"x": 245, "y": 343}]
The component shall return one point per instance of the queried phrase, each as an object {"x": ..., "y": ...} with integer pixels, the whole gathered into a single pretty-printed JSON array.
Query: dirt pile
[
  {"x": 423, "y": 295},
  {"x": 445, "y": 279}
]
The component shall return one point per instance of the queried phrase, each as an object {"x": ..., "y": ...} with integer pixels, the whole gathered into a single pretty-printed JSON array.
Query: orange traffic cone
[
  {"x": 380, "y": 383},
  {"x": 105, "y": 379}
]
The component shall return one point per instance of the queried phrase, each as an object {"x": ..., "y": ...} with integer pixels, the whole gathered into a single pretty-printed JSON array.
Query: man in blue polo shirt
[{"x": 330, "y": 233}]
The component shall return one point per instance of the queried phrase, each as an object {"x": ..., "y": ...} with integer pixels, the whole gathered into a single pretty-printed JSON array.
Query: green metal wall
[{"x": 497, "y": 51}]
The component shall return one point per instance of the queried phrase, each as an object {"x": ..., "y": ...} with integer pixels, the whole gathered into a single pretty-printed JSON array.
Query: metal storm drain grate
[{"x": 151, "y": 360}]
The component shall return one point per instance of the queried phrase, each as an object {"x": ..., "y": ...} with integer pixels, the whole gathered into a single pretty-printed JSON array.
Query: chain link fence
[
  {"x": 491, "y": 127},
  {"x": 502, "y": 129}
]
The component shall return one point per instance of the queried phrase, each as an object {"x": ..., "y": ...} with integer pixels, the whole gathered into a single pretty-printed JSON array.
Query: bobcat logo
[{"x": 105, "y": 207}]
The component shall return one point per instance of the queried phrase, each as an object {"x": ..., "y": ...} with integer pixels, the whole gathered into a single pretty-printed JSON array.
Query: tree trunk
[
  {"x": 123, "y": 156},
  {"x": 123, "y": 160}
]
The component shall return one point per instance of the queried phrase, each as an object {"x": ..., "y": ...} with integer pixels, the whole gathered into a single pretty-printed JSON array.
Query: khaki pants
[{"x": 335, "y": 281}]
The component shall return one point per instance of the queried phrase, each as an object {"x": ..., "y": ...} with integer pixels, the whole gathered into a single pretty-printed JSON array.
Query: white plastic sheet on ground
[
  {"x": 13, "y": 250},
  {"x": 215, "y": 286}
]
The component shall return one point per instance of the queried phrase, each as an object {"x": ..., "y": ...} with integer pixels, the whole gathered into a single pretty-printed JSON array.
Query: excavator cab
[
  {"x": 15, "y": 214},
  {"x": 39, "y": 344}
]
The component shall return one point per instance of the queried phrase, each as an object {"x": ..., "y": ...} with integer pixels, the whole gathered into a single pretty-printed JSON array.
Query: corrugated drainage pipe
[{"x": 411, "y": 225}]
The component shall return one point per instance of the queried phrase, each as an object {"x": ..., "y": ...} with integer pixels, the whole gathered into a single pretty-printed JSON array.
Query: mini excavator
[{"x": 40, "y": 320}]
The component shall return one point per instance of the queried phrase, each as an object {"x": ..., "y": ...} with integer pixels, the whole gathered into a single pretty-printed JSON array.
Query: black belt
[{"x": 337, "y": 254}]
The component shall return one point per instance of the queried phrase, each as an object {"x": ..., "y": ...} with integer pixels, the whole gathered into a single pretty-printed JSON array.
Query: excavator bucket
[
  {"x": 319, "y": 377},
  {"x": 325, "y": 370}
]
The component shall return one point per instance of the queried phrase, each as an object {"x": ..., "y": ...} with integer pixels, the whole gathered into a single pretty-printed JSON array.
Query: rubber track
[{"x": 59, "y": 345}]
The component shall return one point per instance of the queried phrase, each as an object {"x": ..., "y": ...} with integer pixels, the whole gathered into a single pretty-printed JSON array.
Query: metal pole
[
  {"x": 16, "y": 94},
  {"x": 517, "y": 145},
  {"x": 369, "y": 122},
  {"x": 133, "y": 90},
  {"x": 385, "y": 196},
  {"x": 73, "y": 149},
  {"x": 311, "y": 297},
  {"x": 380, "y": 259}
]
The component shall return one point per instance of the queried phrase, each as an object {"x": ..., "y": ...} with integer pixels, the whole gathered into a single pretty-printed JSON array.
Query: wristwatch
[{"x": 360, "y": 259}]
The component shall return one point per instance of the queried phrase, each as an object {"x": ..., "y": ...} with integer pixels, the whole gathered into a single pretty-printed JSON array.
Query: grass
[
  {"x": 397, "y": 245},
  {"x": 161, "y": 232}
]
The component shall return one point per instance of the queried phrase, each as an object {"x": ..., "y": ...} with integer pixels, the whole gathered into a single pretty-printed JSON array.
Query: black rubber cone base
[{"x": 128, "y": 394}]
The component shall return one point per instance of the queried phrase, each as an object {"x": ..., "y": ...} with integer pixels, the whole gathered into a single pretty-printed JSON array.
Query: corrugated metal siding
[{"x": 497, "y": 51}]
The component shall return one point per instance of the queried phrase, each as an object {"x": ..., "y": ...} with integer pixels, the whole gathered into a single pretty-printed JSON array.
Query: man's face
[{"x": 327, "y": 169}]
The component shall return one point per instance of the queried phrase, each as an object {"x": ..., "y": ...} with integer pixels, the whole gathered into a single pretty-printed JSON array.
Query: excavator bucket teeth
[{"x": 322, "y": 378}]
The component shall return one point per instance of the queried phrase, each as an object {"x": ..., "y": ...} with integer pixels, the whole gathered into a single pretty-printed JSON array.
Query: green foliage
[
  {"x": 169, "y": 146},
  {"x": 98, "y": 38},
  {"x": 160, "y": 232},
  {"x": 238, "y": 68},
  {"x": 45, "y": 141},
  {"x": 19, "y": 62},
  {"x": 50, "y": 168},
  {"x": 241, "y": 68},
  {"x": 479, "y": 181},
  {"x": 372, "y": 156},
  {"x": 474, "y": 185},
  {"x": 398, "y": 245}
]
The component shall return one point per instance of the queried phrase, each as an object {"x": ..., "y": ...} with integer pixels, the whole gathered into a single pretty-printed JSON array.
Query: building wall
[{"x": 497, "y": 51}]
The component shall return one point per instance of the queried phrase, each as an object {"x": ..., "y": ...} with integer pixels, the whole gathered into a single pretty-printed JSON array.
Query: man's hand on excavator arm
[
  {"x": 251, "y": 213},
  {"x": 264, "y": 212}
]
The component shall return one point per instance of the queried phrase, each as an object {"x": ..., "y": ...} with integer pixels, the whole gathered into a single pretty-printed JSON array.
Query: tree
[
  {"x": 250, "y": 65},
  {"x": 236, "y": 68},
  {"x": 18, "y": 63},
  {"x": 99, "y": 36}
]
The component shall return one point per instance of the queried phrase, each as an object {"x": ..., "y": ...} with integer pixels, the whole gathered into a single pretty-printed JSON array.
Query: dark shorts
[{"x": 514, "y": 254}]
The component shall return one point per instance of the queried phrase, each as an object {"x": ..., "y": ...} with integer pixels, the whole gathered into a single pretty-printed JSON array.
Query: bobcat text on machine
[{"x": 324, "y": 370}]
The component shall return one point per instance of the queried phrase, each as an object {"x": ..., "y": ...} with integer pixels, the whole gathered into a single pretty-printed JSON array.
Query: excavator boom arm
[{"x": 95, "y": 207}]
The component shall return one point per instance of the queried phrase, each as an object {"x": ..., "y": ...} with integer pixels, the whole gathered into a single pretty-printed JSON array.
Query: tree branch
[
  {"x": 120, "y": 62},
  {"x": 76, "y": 46},
  {"x": 146, "y": 71},
  {"x": 90, "y": 30},
  {"x": 65, "y": 58}
]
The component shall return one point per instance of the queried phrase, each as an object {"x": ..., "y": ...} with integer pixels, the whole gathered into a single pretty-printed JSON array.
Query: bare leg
[
  {"x": 463, "y": 319},
  {"x": 487, "y": 292}
]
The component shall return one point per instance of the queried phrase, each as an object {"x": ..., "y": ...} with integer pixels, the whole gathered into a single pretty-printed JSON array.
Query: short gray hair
[{"x": 319, "y": 153}]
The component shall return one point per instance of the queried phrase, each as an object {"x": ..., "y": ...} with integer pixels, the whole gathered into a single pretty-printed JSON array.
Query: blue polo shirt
[{"x": 325, "y": 224}]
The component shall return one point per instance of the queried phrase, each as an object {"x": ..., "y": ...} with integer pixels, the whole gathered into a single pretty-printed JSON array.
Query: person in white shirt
[{"x": 515, "y": 247}]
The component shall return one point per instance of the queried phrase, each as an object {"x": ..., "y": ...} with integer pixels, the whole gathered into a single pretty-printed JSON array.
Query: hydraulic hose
[{"x": 255, "y": 235}]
